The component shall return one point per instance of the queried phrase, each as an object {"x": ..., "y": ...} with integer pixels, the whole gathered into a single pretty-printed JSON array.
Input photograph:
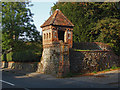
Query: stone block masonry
[
  {"x": 58, "y": 60},
  {"x": 55, "y": 60},
  {"x": 94, "y": 60},
  {"x": 57, "y": 39},
  {"x": 21, "y": 66}
]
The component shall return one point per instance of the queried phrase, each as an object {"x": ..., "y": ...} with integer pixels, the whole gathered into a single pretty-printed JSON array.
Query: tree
[
  {"x": 93, "y": 20},
  {"x": 81, "y": 15},
  {"x": 17, "y": 25},
  {"x": 108, "y": 31}
]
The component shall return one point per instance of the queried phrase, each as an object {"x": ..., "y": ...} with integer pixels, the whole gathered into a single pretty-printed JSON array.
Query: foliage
[
  {"x": 29, "y": 52},
  {"x": 114, "y": 67},
  {"x": 25, "y": 56},
  {"x": 17, "y": 25},
  {"x": 107, "y": 70},
  {"x": 108, "y": 30},
  {"x": 81, "y": 50},
  {"x": 0, "y": 13},
  {"x": 94, "y": 72},
  {"x": 7, "y": 57},
  {"x": 22, "y": 56},
  {"x": 93, "y": 20}
]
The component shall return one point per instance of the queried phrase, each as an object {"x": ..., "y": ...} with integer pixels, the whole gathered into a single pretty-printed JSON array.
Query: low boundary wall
[
  {"x": 93, "y": 60},
  {"x": 80, "y": 62},
  {"x": 29, "y": 66}
]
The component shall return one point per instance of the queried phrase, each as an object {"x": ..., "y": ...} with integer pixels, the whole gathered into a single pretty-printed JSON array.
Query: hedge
[{"x": 22, "y": 56}]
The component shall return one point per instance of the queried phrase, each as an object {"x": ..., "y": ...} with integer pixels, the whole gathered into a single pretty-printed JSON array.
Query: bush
[
  {"x": 2, "y": 57},
  {"x": 7, "y": 57},
  {"x": 22, "y": 56}
]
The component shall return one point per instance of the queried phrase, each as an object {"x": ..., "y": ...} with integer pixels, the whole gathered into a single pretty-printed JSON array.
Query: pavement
[{"x": 28, "y": 80}]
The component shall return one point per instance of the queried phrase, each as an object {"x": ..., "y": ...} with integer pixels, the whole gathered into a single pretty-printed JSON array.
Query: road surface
[{"x": 12, "y": 79}]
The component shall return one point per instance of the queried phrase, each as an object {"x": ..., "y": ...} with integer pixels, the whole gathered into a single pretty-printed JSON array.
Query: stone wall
[
  {"x": 89, "y": 61},
  {"x": 58, "y": 60},
  {"x": 55, "y": 60},
  {"x": 22, "y": 66}
]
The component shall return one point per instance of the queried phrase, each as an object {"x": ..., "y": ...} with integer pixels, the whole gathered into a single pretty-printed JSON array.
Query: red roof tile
[{"x": 57, "y": 18}]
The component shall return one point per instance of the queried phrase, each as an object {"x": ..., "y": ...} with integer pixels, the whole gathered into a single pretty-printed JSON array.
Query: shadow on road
[{"x": 37, "y": 80}]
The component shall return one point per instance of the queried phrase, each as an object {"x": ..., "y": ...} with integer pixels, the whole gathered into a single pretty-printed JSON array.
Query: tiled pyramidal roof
[{"x": 57, "y": 18}]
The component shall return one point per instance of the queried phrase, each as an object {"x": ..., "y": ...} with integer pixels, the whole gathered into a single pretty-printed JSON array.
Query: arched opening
[
  {"x": 61, "y": 35},
  {"x": 49, "y": 35},
  {"x": 44, "y": 36}
]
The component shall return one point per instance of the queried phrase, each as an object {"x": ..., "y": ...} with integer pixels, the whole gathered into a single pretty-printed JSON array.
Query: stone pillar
[
  {"x": 55, "y": 60},
  {"x": 64, "y": 65}
]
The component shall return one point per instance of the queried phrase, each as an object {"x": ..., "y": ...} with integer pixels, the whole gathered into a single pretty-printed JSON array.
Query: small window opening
[
  {"x": 61, "y": 35},
  {"x": 49, "y": 35},
  {"x": 44, "y": 36}
]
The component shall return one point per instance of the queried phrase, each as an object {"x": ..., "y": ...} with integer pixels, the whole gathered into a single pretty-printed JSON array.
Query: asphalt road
[{"x": 20, "y": 80}]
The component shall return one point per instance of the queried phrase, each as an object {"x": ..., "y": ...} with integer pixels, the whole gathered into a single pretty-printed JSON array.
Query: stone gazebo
[{"x": 57, "y": 39}]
